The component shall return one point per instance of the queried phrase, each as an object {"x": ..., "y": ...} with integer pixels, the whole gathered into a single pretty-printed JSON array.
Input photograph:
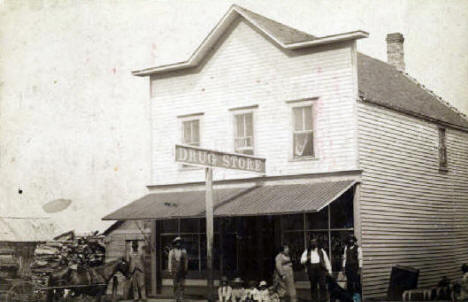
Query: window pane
[
  {"x": 322, "y": 238},
  {"x": 189, "y": 225},
  {"x": 248, "y": 152},
  {"x": 308, "y": 117},
  {"x": 317, "y": 220},
  {"x": 293, "y": 222},
  {"x": 249, "y": 124},
  {"x": 166, "y": 244},
  {"x": 298, "y": 121},
  {"x": 230, "y": 254},
  {"x": 303, "y": 144},
  {"x": 342, "y": 211},
  {"x": 195, "y": 132},
  {"x": 239, "y": 125},
  {"x": 230, "y": 224},
  {"x": 187, "y": 132},
  {"x": 169, "y": 226},
  {"x": 338, "y": 244},
  {"x": 191, "y": 244},
  {"x": 295, "y": 241}
]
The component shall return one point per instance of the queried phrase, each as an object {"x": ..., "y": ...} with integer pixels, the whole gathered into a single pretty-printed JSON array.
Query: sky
[{"x": 74, "y": 122}]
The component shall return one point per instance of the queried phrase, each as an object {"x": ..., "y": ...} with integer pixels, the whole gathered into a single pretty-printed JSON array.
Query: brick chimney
[{"x": 395, "y": 52}]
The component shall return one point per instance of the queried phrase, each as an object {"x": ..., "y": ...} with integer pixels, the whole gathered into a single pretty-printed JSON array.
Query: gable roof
[
  {"x": 379, "y": 82},
  {"x": 284, "y": 36},
  {"x": 382, "y": 84}
]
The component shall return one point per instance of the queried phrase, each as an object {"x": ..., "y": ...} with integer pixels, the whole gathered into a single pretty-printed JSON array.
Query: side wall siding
[
  {"x": 246, "y": 69},
  {"x": 412, "y": 214}
]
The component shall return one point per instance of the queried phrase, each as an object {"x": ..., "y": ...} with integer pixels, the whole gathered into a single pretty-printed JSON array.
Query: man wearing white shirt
[{"x": 316, "y": 261}]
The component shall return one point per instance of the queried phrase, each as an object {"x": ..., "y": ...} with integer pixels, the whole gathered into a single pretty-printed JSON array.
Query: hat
[
  {"x": 237, "y": 280},
  {"x": 177, "y": 239},
  {"x": 262, "y": 284},
  {"x": 352, "y": 237},
  {"x": 224, "y": 279}
]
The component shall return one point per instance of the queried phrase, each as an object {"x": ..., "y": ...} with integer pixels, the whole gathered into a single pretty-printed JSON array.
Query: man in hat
[
  {"x": 317, "y": 264},
  {"x": 178, "y": 267},
  {"x": 352, "y": 264},
  {"x": 224, "y": 291},
  {"x": 137, "y": 271},
  {"x": 284, "y": 274}
]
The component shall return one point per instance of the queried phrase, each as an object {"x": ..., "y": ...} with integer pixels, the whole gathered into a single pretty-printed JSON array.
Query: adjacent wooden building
[
  {"x": 352, "y": 145},
  {"x": 19, "y": 237}
]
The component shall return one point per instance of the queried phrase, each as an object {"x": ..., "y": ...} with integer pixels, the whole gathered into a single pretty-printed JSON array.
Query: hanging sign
[{"x": 209, "y": 158}]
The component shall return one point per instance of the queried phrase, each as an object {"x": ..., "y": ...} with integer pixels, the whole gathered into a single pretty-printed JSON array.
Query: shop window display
[{"x": 331, "y": 226}]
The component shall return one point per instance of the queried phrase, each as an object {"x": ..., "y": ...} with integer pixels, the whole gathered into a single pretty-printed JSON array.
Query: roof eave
[{"x": 194, "y": 60}]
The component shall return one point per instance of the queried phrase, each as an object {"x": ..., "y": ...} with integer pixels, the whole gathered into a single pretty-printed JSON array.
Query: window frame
[
  {"x": 242, "y": 111},
  {"x": 298, "y": 104},
  {"x": 442, "y": 149},
  {"x": 190, "y": 118}
]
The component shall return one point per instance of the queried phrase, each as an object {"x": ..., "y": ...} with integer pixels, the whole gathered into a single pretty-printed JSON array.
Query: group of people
[
  {"x": 319, "y": 270},
  {"x": 254, "y": 292},
  {"x": 314, "y": 259}
]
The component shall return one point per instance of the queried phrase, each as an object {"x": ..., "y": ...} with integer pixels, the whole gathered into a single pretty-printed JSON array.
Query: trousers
[
  {"x": 317, "y": 277},
  {"x": 138, "y": 283},
  {"x": 353, "y": 283},
  {"x": 179, "y": 286}
]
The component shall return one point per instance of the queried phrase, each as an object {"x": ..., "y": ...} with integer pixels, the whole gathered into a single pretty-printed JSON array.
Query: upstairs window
[
  {"x": 303, "y": 133},
  {"x": 243, "y": 133},
  {"x": 191, "y": 132},
  {"x": 442, "y": 150}
]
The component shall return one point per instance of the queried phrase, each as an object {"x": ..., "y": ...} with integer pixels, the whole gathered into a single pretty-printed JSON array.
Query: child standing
[
  {"x": 252, "y": 292},
  {"x": 263, "y": 294},
  {"x": 238, "y": 291},
  {"x": 224, "y": 291}
]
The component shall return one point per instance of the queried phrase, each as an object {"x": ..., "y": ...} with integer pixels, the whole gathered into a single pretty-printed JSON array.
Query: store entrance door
[{"x": 258, "y": 247}]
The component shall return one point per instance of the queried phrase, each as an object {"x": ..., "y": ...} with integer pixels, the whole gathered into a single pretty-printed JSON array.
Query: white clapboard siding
[
  {"x": 245, "y": 69},
  {"x": 411, "y": 213}
]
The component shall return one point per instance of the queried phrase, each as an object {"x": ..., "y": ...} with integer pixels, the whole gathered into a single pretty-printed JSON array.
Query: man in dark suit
[{"x": 352, "y": 264}]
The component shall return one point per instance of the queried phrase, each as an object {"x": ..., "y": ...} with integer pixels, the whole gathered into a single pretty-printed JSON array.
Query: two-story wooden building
[{"x": 352, "y": 145}]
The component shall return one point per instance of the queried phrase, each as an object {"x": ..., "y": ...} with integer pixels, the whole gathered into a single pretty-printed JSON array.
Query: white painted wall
[
  {"x": 411, "y": 213},
  {"x": 247, "y": 69}
]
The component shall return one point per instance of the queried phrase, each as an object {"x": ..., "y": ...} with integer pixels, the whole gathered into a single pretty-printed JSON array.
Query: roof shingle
[{"x": 382, "y": 84}]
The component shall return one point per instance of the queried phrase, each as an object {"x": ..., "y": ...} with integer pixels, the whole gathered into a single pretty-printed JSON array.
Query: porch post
[
  {"x": 209, "y": 231},
  {"x": 153, "y": 258}
]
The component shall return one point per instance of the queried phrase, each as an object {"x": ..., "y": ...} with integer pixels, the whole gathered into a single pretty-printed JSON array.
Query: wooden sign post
[{"x": 209, "y": 159}]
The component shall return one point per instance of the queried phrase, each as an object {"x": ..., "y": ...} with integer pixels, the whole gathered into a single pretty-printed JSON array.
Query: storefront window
[
  {"x": 338, "y": 243},
  {"x": 331, "y": 232},
  {"x": 293, "y": 222},
  {"x": 170, "y": 226},
  {"x": 318, "y": 220},
  {"x": 192, "y": 232},
  {"x": 342, "y": 212},
  {"x": 295, "y": 241},
  {"x": 190, "y": 225}
]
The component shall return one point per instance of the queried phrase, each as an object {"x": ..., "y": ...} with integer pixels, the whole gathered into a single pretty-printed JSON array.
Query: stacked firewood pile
[
  {"x": 8, "y": 263},
  {"x": 77, "y": 252}
]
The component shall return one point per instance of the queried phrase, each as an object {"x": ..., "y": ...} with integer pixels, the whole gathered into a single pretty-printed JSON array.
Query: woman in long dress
[{"x": 284, "y": 275}]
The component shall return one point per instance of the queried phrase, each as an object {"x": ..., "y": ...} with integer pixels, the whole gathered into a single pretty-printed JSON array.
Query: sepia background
[{"x": 74, "y": 122}]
